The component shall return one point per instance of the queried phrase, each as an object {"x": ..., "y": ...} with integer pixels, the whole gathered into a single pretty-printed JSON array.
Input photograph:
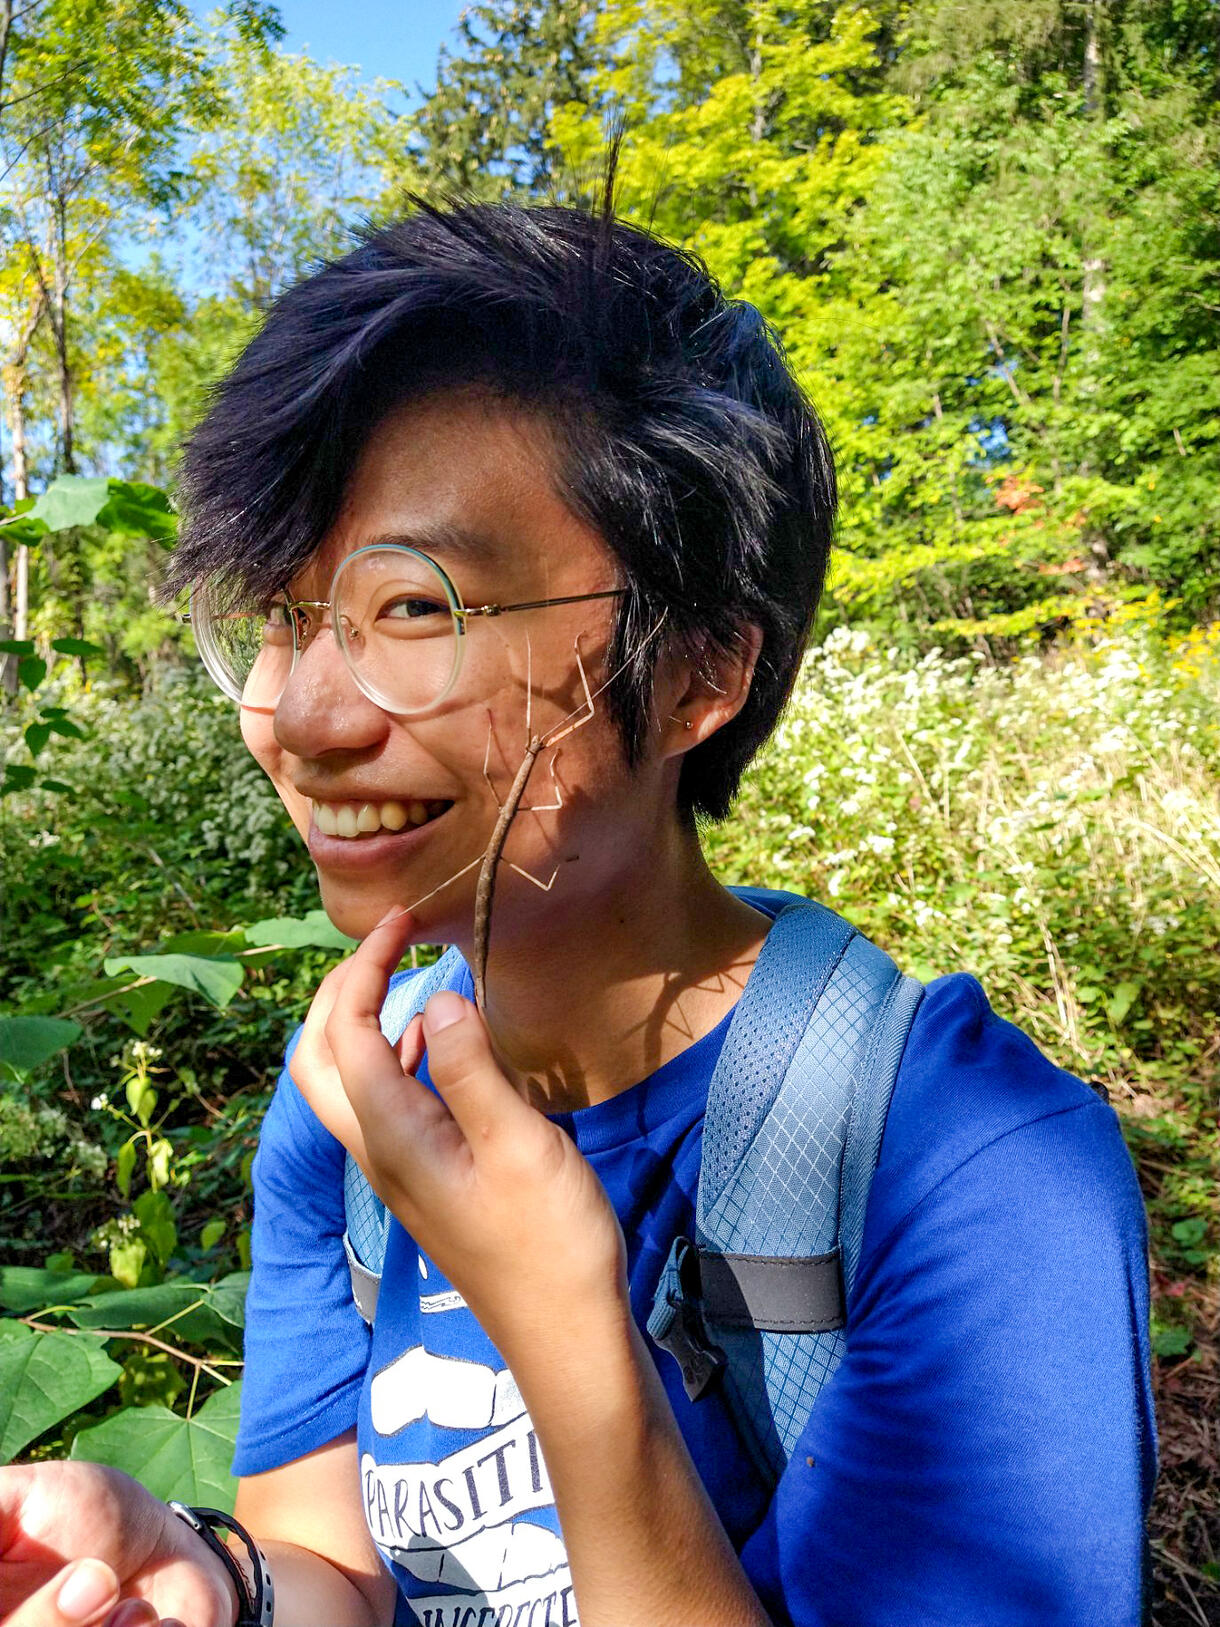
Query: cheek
[{"x": 258, "y": 733}]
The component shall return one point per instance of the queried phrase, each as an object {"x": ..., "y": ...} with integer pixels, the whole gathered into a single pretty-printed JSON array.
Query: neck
[{"x": 621, "y": 983}]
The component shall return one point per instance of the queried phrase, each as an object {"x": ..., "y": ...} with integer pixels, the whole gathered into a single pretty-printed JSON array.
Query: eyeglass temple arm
[{"x": 537, "y": 604}]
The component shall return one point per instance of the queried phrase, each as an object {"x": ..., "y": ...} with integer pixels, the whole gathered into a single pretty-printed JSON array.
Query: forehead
[{"x": 474, "y": 482}]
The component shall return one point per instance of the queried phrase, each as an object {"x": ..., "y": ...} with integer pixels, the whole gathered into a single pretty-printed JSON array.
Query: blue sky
[{"x": 394, "y": 39}]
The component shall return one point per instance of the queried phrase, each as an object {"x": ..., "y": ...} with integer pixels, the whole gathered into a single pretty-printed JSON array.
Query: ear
[{"x": 709, "y": 691}]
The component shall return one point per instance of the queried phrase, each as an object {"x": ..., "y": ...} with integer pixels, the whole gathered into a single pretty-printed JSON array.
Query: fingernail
[
  {"x": 89, "y": 1586},
  {"x": 442, "y": 1011}
]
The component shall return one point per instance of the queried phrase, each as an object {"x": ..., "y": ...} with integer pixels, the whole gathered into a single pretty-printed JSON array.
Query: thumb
[
  {"x": 80, "y": 1593},
  {"x": 467, "y": 1077}
]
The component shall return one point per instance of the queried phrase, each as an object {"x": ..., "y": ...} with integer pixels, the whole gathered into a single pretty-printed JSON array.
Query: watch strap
[{"x": 256, "y": 1605}]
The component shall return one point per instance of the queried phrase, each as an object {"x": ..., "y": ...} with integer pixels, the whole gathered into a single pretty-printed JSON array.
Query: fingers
[
  {"x": 369, "y": 968},
  {"x": 377, "y": 1076},
  {"x": 466, "y": 1074},
  {"x": 410, "y": 1048},
  {"x": 313, "y": 1066},
  {"x": 81, "y": 1593}
]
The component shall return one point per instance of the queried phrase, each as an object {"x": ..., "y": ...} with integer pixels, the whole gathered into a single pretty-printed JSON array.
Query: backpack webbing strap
[
  {"x": 796, "y": 1110},
  {"x": 775, "y": 1296},
  {"x": 368, "y": 1219}
]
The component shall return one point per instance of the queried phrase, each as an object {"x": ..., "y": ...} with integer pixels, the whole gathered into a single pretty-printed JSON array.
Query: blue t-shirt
[{"x": 984, "y": 1453}]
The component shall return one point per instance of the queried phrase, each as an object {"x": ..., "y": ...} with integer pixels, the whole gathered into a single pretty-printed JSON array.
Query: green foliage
[
  {"x": 44, "y": 1377},
  {"x": 27, "y": 1041},
  {"x": 304, "y": 152},
  {"x": 186, "y": 1459},
  {"x": 486, "y": 127}
]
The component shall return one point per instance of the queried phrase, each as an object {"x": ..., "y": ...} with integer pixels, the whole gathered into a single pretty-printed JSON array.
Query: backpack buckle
[{"x": 676, "y": 1322}]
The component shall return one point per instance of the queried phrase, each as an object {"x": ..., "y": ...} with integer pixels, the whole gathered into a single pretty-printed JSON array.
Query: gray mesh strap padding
[
  {"x": 796, "y": 1109},
  {"x": 368, "y": 1219}
]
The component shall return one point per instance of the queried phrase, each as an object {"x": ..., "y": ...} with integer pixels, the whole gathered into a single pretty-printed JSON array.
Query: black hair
[{"x": 683, "y": 438}]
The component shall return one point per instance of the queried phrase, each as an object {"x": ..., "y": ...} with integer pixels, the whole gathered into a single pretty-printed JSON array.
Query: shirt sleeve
[
  {"x": 986, "y": 1450},
  {"x": 306, "y": 1346}
]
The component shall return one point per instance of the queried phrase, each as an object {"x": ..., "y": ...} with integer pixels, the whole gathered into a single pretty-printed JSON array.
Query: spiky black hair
[{"x": 684, "y": 439}]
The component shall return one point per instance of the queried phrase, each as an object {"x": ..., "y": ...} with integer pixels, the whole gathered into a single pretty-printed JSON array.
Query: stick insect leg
[
  {"x": 583, "y": 714},
  {"x": 487, "y": 760},
  {"x": 548, "y": 807},
  {"x": 543, "y": 886}
]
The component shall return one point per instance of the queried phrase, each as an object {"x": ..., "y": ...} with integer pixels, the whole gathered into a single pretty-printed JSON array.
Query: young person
[{"x": 496, "y": 473}]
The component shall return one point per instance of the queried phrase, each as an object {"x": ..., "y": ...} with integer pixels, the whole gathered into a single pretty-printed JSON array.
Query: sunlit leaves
[
  {"x": 314, "y": 930},
  {"x": 44, "y": 1377},
  {"x": 186, "y": 1459},
  {"x": 216, "y": 978}
]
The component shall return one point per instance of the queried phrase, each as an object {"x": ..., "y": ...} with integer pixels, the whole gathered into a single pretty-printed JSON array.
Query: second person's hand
[{"x": 85, "y": 1538}]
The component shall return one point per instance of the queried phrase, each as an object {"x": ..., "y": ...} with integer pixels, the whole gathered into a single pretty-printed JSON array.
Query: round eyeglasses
[{"x": 397, "y": 617}]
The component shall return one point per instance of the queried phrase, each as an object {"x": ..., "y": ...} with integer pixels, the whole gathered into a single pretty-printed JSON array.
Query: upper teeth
[{"x": 357, "y": 819}]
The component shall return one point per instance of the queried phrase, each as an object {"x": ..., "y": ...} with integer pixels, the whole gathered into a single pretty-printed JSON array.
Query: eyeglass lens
[{"x": 397, "y": 629}]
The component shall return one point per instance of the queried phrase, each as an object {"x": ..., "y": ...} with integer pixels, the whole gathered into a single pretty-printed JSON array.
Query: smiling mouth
[{"x": 356, "y": 819}]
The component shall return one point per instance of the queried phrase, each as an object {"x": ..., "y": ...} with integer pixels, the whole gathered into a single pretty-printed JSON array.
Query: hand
[
  {"x": 69, "y": 1526},
  {"x": 492, "y": 1191}
]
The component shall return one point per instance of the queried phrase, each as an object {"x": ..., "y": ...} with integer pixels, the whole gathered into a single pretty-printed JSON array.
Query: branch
[
  {"x": 20, "y": 350},
  {"x": 39, "y": 90},
  {"x": 200, "y": 1363}
]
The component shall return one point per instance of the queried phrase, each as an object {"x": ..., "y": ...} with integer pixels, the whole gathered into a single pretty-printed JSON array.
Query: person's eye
[{"x": 410, "y": 607}]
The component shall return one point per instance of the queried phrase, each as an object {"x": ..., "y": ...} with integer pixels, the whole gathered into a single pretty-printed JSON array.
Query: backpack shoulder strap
[
  {"x": 367, "y": 1218},
  {"x": 795, "y": 1115}
]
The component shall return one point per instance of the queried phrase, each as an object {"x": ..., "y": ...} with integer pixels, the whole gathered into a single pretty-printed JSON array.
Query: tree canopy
[{"x": 989, "y": 239}]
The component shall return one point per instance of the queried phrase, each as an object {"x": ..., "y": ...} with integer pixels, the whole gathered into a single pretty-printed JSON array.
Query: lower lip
[{"x": 368, "y": 852}]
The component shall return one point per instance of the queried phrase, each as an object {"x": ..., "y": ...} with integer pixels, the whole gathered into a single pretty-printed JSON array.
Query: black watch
[{"x": 255, "y": 1609}]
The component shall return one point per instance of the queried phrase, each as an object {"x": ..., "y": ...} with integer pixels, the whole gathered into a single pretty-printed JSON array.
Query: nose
[{"x": 323, "y": 709}]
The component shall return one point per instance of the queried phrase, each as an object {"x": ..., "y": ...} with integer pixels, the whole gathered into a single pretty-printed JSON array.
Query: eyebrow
[{"x": 443, "y": 537}]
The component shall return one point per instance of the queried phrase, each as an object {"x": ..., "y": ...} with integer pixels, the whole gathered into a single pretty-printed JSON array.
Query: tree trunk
[
  {"x": 59, "y": 323},
  {"x": 1093, "y": 265},
  {"x": 14, "y": 390},
  {"x": 758, "y": 122},
  {"x": 1093, "y": 286}
]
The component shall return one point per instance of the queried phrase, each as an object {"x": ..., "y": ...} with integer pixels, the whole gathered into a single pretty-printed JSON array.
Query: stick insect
[
  {"x": 536, "y": 744},
  {"x": 492, "y": 855}
]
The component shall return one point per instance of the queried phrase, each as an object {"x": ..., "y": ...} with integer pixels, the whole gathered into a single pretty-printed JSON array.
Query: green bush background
[{"x": 1052, "y": 826}]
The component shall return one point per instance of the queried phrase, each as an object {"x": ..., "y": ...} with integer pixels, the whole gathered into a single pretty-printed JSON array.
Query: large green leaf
[
  {"x": 136, "y": 510},
  {"x": 180, "y": 1458},
  {"x": 76, "y": 646},
  {"x": 26, "y": 1288},
  {"x": 313, "y": 931},
  {"x": 44, "y": 1378},
  {"x": 228, "y": 1297},
  {"x": 139, "y": 1006},
  {"x": 71, "y": 500},
  {"x": 217, "y": 978},
  {"x": 27, "y": 1041},
  {"x": 136, "y": 1005},
  {"x": 195, "y": 1312}
]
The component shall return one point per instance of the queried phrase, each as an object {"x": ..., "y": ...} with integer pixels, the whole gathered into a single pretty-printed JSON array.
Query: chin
[{"x": 357, "y": 914}]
